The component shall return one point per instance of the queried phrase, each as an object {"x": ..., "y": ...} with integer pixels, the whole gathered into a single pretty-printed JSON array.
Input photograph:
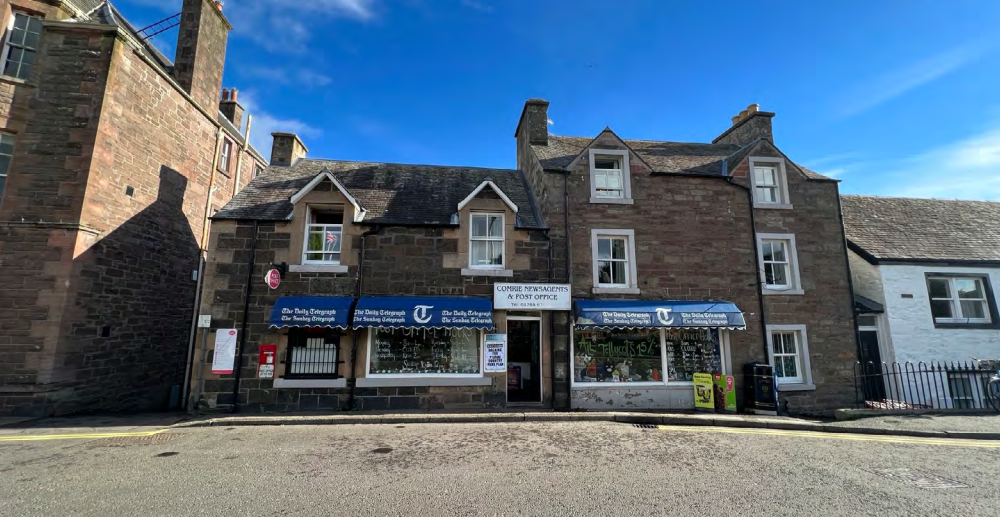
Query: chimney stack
[
  {"x": 230, "y": 108},
  {"x": 286, "y": 148},
  {"x": 201, "y": 50},
  {"x": 534, "y": 122},
  {"x": 748, "y": 126}
]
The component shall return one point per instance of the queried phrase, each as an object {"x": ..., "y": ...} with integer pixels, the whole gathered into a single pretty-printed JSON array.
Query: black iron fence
[{"x": 954, "y": 385}]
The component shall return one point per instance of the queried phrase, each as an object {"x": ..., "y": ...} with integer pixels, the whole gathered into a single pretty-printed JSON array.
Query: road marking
[
  {"x": 79, "y": 436},
  {"x": 955, "y": 442}
]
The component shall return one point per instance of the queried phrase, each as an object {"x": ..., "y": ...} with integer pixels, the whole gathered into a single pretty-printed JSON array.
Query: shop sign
[
  {"x": 265, "y": 362},
  {"x": 549, "y": 297},
  {"x": 725, "y": 393},
  {"x": 225, "y": 351},
  {"x": 272, "y": 278},
  {"x": 496, "y": 353},
  {"x": 703, "y": 391}
]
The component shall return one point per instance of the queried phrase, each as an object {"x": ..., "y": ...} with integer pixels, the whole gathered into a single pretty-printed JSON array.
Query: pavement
[{"x": 508, "y": 468}]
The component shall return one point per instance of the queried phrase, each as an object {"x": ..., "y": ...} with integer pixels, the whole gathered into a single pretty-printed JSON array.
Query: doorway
[
  {"x": 871, "y": 357},
  {"x": 524, "y": 359}
]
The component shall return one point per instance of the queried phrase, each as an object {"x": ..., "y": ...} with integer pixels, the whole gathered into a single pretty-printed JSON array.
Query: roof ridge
[
  {"x": 877, "y": 196},
  {"x": 439, "y": 166}
]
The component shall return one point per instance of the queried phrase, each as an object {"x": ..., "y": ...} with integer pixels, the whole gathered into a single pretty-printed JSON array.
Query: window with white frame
[
  {"x": 789, "y": 354},
  {"x": 779, "y": 271},
  {"x": 486, "y": 240},
  {"x": 6, "y": 154},
  {"x": 225, "y": 155},
  {"x": 614, "y": 259},
  {"x": 767, "y": 177},
  {"x": 324, "y": 232},
  {"x": 312, "y": 353},
  {"x": 959, "y": 299},
  {"x": 21, "y": 44},
  {"x": 609, "y": 176}
]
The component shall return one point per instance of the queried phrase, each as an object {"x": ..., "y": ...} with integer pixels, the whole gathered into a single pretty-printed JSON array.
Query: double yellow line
[
  {"x": 954, "y": 442},
  {"x": 79, "y": 436}
]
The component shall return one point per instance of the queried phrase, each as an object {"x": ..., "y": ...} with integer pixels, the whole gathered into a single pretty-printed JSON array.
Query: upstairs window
[
  {"x": 614, "y": 261},
  {"x": 486, "y": 241},
  {"x": 6, "y": 154},
  {"x": 609, "y": 177},
  {"x": 324, "y": 232},
  {"x": 788, "y": 352},
  {"x": 779, "y": 268},
  {"x": 21, "y": 45},
  {"x": 960, "y": 299},
  {"x": 225, "y": 155},
  {"x": 768, "y": 180},
  {"x": 257, "y": 169}
]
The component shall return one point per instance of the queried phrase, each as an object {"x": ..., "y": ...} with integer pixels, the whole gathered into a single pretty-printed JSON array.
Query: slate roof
[
  {"x": 392, "y": 193},
  {"x": 893, "y": 228},
  {"x": 663, "y": 157}
]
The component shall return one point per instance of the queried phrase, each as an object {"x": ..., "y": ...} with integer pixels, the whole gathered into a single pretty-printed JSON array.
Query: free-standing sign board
[
  {"x": 266, "y": 360},
  {"x": 725, "y": 393},
  {"x": 225, "y": 351},
  {"x": 703, "y": 387},
  {"x": 496, "y": 353}
]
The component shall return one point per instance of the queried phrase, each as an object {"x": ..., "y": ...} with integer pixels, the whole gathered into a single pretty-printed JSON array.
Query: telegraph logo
[
  {"x": 664, "y": 316},
  {"x": 421, "y": 314}
]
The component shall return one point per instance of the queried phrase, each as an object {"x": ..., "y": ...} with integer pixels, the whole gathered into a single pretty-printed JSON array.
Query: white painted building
[{"x": 926, "y": 275}]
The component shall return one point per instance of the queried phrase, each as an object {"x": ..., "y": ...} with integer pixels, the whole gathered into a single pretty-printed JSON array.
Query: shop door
[
  {"x": 524, "y": 360},
  {"x": 871, "y": 357}
]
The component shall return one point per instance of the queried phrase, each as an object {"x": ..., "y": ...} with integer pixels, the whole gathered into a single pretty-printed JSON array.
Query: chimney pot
[
  {"x": 218, "y": 5},
  {"x": 235, "y": 93},
  {"x": 744, "y": 114},
  {"x": 736, "y": 119},
  {"x": 225, "y": 94},
  {"x": 753, "y": 108}
]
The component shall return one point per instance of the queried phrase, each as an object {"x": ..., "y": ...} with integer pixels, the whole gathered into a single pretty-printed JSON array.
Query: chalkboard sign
[
  {"x": 434, "y": 351},
  {"x": 691, "y": 351}
]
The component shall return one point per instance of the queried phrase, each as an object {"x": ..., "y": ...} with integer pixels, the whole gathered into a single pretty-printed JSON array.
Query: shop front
[
  {"x": 313, "y": 335},
  {"x": 644, "y": 354}
]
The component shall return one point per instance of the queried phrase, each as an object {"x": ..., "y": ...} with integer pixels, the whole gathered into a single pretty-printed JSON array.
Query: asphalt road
[{"x": 565, "y": 469}]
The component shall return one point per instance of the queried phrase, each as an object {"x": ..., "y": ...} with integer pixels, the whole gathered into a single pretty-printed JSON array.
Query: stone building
[
  {"x": 386, "y": 296},
  {"x": 693, "y": 257},
  {"x": 112, "y": 158}
]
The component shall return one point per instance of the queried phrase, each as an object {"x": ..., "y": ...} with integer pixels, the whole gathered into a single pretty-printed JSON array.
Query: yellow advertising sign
[{"x": 703, "y": 391}]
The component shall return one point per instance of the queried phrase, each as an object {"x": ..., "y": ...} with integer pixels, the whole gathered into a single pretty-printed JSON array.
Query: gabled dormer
[
  {"x": 323, "y": 214},
  {"x": 610, "y": 164}
]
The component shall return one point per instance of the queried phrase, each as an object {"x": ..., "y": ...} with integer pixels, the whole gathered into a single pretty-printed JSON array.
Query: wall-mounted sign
[
  {"x": 266, "y": 360},
  {"x": 272, "y": 278},
  {"x": 225, "y": 351},
  {"x": 204, "y": 321},
  {"x": 546, "y": 297},
  {"x": 496, "y": 353}
]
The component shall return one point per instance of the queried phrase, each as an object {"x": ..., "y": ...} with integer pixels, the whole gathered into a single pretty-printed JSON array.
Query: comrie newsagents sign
[{"x": 549, "y": 297}]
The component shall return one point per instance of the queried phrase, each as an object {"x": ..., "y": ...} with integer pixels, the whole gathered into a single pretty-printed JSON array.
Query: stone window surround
[
  {"x": 423, "y": 379},
  {"x": 626, "y": 198},
  {"x": 225, "y": 156},
  {"x": 633, "y": 283},
  {"x": 332, "y": 200},
  {"x": 991, "y": 303},
  {"x": 464, "y": 231},
  {"x": 793, "y": 264},
  {"x": 802, "y": 345},
  {"x": 5, "y": 52},
  {"x": 503, "y": 237},
  {"x": 779, "y": 163}
]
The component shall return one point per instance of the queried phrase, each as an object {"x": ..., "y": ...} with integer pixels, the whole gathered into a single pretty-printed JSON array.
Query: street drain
[
  {"x": 382, "y": 450},
  {"x": 167, "y": 454},
  {"x": 919, "y": 479},
  {"x": 644, "y": 426},
  {"x": 125, "y": 441}
]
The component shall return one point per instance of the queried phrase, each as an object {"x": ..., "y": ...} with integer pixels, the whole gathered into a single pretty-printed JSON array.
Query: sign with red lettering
[{"x": 272, "y": 278}]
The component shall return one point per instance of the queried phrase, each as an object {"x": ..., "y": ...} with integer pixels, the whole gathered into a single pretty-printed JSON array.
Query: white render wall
[
  {"x": 911, "y": 328},
  {"x": 866, "y": 278}
]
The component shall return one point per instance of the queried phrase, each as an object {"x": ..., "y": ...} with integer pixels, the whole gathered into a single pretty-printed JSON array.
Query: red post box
[{"x": 266, "y": 361}]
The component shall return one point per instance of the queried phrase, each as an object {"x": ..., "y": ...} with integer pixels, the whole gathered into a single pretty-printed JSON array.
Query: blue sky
[{"x": 892, "y": 97}]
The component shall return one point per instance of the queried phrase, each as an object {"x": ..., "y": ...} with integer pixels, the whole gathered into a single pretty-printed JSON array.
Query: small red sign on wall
[{"x": 272, "y": 278}]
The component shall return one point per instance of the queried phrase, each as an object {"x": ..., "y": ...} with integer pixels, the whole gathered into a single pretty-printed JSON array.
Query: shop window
[
  {"x": 691, "y": 351},
  {"x": 312, "y": 353},
  {"x": 324, "y": 232},
  {"x": 21, "y": 44},
  {"x": 486, "y": 241},
  {"x": 617, "y": 355},
  {"x": 418, "y": 351}
]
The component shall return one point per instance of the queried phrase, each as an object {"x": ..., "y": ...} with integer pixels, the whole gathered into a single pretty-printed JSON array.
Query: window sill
[
  {"x": 660, "y": 385},
  {"x": 779, "y": 292},
  {"x": 616, "y": 290},
  {"x": 796, "y": 386},
  {"x": 471, "y": 271},
  {"x": 611, "y": 201},
  {"x": 317, "y": 268},
  {"x": 9, "y": 79},
  {"x": 310, "y": 383},
  {"x": 776, "y": 206},
  {"x": 388, "y": 382},
  {"x": 969, "y": 326}
]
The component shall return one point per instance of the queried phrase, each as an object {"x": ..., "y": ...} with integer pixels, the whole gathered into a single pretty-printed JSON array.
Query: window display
[
  {"x": 424, "y": 351},
  {"x": 691, "y": 351},
  {"x": 622, "y": 355}
]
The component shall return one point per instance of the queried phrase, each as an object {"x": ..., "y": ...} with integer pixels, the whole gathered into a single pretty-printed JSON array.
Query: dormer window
[
  {"x": 21, "y": 44},
  {"x": 486, "y": 246},
  {"x": 769, "y": 182},
  {"x": 324, "y": 232},
  {"x": 609, "y": 176}
]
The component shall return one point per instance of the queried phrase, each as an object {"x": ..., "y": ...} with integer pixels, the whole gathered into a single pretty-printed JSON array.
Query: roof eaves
[{"x": 496, "y": 189}]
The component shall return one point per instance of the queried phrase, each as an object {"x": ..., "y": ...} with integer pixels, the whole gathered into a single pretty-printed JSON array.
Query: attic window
[
  {"x": 20, "y": 45},
  {"x": 610, "y": 181},
  {"x": 769, "y": 181},
  {"x": 324, "y": 233}
]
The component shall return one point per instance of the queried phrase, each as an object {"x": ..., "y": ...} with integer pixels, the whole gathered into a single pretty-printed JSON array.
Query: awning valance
[
  {"x": 652, "y": 314},
  {"x": 311, "y": 311},
  {"x": 425, "y": 312}
]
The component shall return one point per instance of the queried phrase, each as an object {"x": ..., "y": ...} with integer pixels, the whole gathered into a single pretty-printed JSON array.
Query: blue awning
[
  {"x": 311, "y": 311},
  {"x": 414, "y": 311},
  {"x": 671, "y": 314}
]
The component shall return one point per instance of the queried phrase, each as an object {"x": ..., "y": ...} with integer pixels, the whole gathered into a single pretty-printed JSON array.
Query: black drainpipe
[
  {"x": 238, "y": 367},
  {"x": 756, "y": 255},
  {"x": 569, "y": 320},
  {"x": 552, "y": 328},
  {"x": 357, "y": 296}
]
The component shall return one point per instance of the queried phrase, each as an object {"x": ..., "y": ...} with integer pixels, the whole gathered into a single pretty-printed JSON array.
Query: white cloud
[
  {"x": 284, "y": 76},
  {"x": 899, "y": 81},
  {"x": 286, "y": 25},
  {"x": 478, "y": 6},
  {"x": 264, "y": 123},
  {"x": 834, "y": 165},
  {"x": 965, "y": 169}
]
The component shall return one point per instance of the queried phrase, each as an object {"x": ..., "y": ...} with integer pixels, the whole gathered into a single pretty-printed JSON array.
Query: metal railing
[{"x": 941, "y": 385}]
